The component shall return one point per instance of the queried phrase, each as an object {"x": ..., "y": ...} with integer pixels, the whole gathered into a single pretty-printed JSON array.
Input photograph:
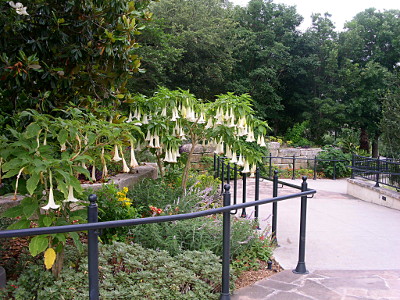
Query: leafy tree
[
  {"x": 198, "y": 35},
  {"x": 390, "y": 124}
]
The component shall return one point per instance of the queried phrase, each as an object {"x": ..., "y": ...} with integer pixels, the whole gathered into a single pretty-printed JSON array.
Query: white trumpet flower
[
  {"x": 51, "y": 203},
  {"x": 19, "y": 8},
  {"x": 167, "y": 157},
  {"x": 157, "y": 141},
  {"x": 164, "y": 112},
  {"x": 116, "y": 154},
  {"x": 71, "y": 197},
  {"x": 105, "y": 171},
  {"x": 145, "y": 119},
  {"x": 240, "y": 161},
  {"x": 63, "y": 147},
  {"x": 209, "y": 124},
  {"x": 125, "y": 167},
  {"x": 246, "y": 168},
  {"x": 93, "y": 173},
  {"x": 234, "y": 158},
  {"x": 133, "y": 163},
  {"x": 262, "y": 143},
  {"x": 151, "y": 142},
  {"x": 129, "y": 118},
  {"x": 148, "y": 136},
  {"x": 253, "y": 170}
]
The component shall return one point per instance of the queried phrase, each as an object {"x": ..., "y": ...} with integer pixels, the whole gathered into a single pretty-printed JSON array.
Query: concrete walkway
[{"x": 352, "y": 247}]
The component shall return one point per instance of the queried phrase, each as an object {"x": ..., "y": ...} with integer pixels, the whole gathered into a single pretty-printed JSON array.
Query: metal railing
[
  {"x": 223, "y": 170},
  {"x": 93, "y": 227},
  {"x": 294, "y": 159},
  {"x": 384, "y": 171}
]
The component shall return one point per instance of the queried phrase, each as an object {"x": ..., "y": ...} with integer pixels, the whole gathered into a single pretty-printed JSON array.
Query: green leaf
[
  {"x": 62, "y": 136},
  {"x": 47, "y": 221},
  {"x": 12, "y": 212},
  {"x": 21, "y": 224},
  {"x": 60, "y": 237},
  {"x": 38, "y": 244},
  {"x": 32, "y": 183},
  {"x": 29, "y": 209},
  {"x": 32, "y": 130}
]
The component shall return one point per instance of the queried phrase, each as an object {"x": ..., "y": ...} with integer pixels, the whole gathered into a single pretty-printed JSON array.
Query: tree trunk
[
  {"x": 188, "y": 162},
  {"x": 375, "y": 146},
  {"x": 364, "y": 140},
  {"x": 58, "y": 264},
  {"x": 160, "y": 165}
]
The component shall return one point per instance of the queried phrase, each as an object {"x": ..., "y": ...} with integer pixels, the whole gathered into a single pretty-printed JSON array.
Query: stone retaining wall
[
  {"x": 148, "y": 170},
  {"x": 366, "y": 191},
  {"x": 287, "y": 156}
]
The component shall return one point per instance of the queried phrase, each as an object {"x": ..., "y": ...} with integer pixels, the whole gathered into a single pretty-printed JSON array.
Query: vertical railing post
[
  {"x": 257, "y": 195},
  {"x": 93, "y": 250},
  {"x": 334, "y": 170},
  {"x": 228, "y": 173},
  {"x": 270, "y": 166},
  {"x": 215, "y": 165},
  {"x": 275, "y": 207},
  {"x": 377, "y": 172},
  {"x": 315, "y": 168},
  {"x": 226, "y": 253},
  {"x": 235, "y": 170},
  {"x": 218, "y": 163},
  {"x": 301, "y": 265},
  {"x": 244, "y": 180},
  {"x": 352, "y": 166},
  {"x": 222, "y": 174},
  {"x": 294, "y": 167}
]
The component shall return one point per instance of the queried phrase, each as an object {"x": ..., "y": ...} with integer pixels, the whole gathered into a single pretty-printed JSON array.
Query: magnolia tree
[{"x": 171, "y": 117}]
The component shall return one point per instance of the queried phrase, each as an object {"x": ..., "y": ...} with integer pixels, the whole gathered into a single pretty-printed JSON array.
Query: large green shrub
[
  {"x": 126, "y": 272},
  {"x": 328, "y": 167}
]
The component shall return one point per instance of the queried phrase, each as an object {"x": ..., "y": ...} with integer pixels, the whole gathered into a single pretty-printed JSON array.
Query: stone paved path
[{"x": 356, "y": 244}]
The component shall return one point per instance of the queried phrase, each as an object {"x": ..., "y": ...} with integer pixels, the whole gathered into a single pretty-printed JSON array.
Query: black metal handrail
[{"x": 93, "y": 226}]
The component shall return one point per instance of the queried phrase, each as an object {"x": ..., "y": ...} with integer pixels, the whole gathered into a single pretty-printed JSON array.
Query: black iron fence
[
  {"x": 93, "y": 227},
  {"x": 381, "y": 170},
  {"x": 312, "y": 163}
]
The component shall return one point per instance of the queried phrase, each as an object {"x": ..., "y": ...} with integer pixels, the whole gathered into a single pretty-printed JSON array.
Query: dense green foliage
[
  {"x": 337, "y": 162},
  {"x": 127, "y": 272}
]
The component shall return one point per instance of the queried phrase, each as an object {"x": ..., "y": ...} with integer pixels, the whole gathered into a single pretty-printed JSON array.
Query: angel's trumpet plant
[
  {"x": 94, "y": 173},
  {"x": 246, "y": 168},
  {"x": 234, "y": 158},
  {"x": 129, "y": 118},
  {"x": 71, "y": 197},
  {"x": 51, "y": 204},
  {"x": 133, "y": 163},
  {"x": 116, "y": 154},
  {"x": 253, "y": 170},
  {"x": 240, "y": 161}
]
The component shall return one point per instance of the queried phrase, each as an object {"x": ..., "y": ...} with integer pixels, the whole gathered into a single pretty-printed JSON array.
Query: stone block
[
  {"x": 273, "y": 146},
  {"x": 285, "y": 152}
]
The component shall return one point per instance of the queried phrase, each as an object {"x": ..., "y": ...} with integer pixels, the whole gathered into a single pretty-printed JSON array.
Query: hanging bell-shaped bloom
[
  {"x": 167, "y": 156},
  {"x": 133, "y": 163},
  {"x": 201, "y": 119},
  {"x": 63, "y": 147},
  {"x": 129, "y": 118},
  {"x": 105, "y": 171},
  {"x": 145, "y": 119},
  {"x": 232, "y": 123},
  {"x": 148, "y": 136},
  {"x": 84, "y": 165},
  {"x": 45, "y": 141},
  {"x": 240, "y": 161},
  {"x": 253, "y": 170},
  {"x": 246, "y": 168},
  {"x": 135, "y": 114},
  {"x": 209, "y": 124},
  {"x": 125, "y": 167},
  {"x": 151, "y": 142},
  {"x": 164, "y": 111},
  {"x": 175, "y": 154},
  {"x": 234, "y": 158},
  {"x": 226, "y": 116},
  {"x": 184, "y": 112},
  {"x": 71, "y": 197},
  {"x": 228, "y": 152},
  {"x": 93, "y": 173},
  {"x": 250, "y": 136},
  {"x": 262, "y": 142},
  {"x": 139, "y": 115},
  {"x": 157, "y": 141},
  {"x": 51, "y": 204},
  {"x": 116, "y": 154}
]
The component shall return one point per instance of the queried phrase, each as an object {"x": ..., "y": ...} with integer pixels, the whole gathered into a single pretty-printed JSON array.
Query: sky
[{"x": 341, "y": 10}]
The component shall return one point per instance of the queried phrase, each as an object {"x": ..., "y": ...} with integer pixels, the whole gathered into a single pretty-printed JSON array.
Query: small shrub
[{"x": 297, "y": 134}]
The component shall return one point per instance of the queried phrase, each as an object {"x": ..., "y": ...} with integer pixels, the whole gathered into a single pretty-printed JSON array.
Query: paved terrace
[{"x": 352, "y": 247}]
